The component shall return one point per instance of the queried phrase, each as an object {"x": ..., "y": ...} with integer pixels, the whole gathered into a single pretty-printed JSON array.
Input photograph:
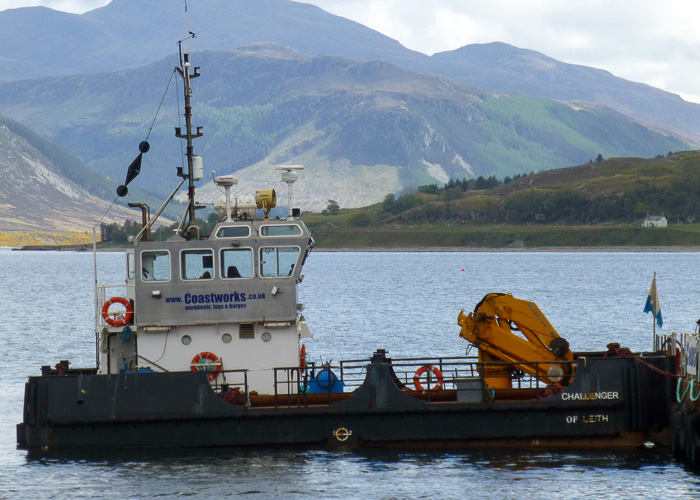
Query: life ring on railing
[
  {"x": 302, "y": 356},
  {"x": 206, "y": 362},
  {"x": 435, "y": 371},
  {"x": 117, "y": 319}
]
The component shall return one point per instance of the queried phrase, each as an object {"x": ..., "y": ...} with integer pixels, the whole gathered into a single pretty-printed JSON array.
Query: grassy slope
[
  {"x": 505, "y": 236},
  {"x": 660, "y": 185}
]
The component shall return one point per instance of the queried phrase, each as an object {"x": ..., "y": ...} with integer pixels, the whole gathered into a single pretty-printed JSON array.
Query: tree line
[{"x": 474, "y": 184}]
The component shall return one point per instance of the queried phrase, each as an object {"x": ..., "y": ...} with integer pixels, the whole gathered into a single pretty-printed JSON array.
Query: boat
[{"x": 204, "y": 345}]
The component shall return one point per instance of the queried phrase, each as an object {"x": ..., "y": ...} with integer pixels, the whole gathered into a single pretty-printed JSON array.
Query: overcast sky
[{"x": 650, "y": 41}]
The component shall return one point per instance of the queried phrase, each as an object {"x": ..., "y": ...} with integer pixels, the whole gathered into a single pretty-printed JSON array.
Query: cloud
[
  {"x": 653, "y": 42},
  {"x": 74, "y": 6}
]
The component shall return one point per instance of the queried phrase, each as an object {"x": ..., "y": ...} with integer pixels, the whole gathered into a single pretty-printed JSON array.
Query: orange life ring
[
  {"x": 302, "y": 356},
  {"x": 206, "y": 362},
  {"x": 117, "y": 319},
  {"x": 420, "y": 371}
]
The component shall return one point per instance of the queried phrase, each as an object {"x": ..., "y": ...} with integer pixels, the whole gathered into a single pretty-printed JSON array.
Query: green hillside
[
  {"x": 504, "y": 237},
  {"x": 601, "y": 203}
]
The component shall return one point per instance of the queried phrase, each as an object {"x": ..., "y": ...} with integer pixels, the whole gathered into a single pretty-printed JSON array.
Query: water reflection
[{"x": 292, "y": 473}]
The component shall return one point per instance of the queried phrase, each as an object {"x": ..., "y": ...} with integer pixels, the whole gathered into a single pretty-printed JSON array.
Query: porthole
[
  {"x": 186, "y": 340},
  {"x": 226, "y": 338},
  {"x": 266, "y": 337}
]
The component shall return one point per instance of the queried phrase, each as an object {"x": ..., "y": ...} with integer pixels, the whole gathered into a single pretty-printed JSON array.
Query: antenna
[
  {"x": 226, "y": 182},
  {"x": 290, "y": 177}
]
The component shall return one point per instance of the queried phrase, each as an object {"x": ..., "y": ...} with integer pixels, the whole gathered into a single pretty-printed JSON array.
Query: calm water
[{"x": 356, "y": 302}]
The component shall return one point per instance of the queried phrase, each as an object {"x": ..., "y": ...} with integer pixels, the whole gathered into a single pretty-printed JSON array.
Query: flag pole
[{"x": 652, "y": 306}]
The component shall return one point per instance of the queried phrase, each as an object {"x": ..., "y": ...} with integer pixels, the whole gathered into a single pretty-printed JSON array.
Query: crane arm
[{"x": 493, "y": 325}]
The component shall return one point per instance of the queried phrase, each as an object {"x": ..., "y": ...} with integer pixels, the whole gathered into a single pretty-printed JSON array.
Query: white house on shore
[{"x": 655, "y": 221}]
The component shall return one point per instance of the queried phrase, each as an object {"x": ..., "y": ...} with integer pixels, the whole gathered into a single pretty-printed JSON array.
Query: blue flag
[{"x": 652, "y": 305}]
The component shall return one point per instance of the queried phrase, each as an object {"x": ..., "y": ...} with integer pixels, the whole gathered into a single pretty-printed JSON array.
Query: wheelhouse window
[
  {"x": 237, "y": 263},
  {"x": 278, "y": 262},
  {"x": 233, "y": 232},
  {"x": 281, "y": 230},
  {"x": 197, "y": 264},
  {"x": 155, "y": 266}
]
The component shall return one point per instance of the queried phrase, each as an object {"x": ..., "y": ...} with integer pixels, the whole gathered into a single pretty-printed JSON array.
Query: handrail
[
  {"x": 101, "y": 298},
  {"x": 153, "y": 363},
  {"x": 291, "y": 384}
]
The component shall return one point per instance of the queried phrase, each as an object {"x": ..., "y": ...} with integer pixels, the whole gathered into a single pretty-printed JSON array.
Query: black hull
[
  {"x": 612, "y": 403},
  {"x": 685, "y": 426}
]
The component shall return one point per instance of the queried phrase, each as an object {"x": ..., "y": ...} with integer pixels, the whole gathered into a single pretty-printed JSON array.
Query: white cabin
[{"x": 655, "y": 221}]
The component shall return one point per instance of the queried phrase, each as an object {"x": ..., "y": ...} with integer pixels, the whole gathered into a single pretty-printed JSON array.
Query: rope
[
  {"x": 159, "y": 105},
  {"x": 146, "y": 139},
  {"x": 652, "y": 367},
  {"x": 187, "y": 26},
  {"x": 697, "y": 396},
  {"x": 106, "y": 212},
  {"x": 680, "y": 398}
]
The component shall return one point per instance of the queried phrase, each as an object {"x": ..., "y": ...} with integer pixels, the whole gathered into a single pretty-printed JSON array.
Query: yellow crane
[{"x": 514, "y": 331}]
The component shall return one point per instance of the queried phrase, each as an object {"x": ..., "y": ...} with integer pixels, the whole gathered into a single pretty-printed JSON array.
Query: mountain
[
  {"x": 129, "y": 33},
  {"x": 36, "y": 195},
  {"x": 362, "y": 129},
  {"x": 124, "y": 34},
  {"x": 500, "y": 67}
]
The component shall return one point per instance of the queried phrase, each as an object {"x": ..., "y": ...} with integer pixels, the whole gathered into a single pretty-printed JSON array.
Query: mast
[{"x": 194, "y": 165}]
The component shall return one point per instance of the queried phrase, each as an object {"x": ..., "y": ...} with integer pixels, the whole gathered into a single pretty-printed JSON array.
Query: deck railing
[
  {"x": 104, "y": 292},
  {"x": 438, "y": 379},
  {"x": 435, "y": 380}
]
